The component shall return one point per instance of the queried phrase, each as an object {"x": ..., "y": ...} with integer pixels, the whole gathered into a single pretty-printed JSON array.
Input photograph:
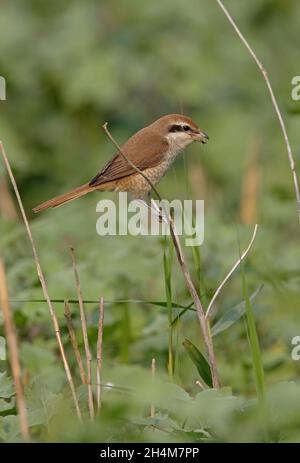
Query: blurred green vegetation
[{"x": 70, "y": 67}]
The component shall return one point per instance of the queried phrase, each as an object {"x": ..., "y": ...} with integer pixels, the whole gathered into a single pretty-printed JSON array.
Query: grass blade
[
  {"x": 253, "y": 341},
  {"x": 167, "y": 261}
]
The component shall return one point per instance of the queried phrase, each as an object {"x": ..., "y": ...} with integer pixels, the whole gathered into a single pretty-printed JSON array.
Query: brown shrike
[{"x": 152, "y": 150}]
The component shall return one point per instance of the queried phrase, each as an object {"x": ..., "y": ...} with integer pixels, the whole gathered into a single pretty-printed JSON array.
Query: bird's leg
[
  {"x": 154, "y": 211},
  {"x": 153, "y": 215},
  {"x": 157, "y": 211}
]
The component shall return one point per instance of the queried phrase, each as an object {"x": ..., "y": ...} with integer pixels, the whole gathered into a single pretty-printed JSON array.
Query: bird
[{"x": 152, "y": 150}]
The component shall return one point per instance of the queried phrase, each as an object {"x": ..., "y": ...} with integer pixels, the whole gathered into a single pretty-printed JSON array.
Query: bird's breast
[{"x": 137, "y": 185}]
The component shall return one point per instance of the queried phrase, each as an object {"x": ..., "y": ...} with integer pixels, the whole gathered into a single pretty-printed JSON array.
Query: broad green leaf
[
  {"x": 9, "y": 428},
  {"x": 199, "y": 360},
  {"x": 6, "y": 386},
  {"x": 6, "y": 405}
]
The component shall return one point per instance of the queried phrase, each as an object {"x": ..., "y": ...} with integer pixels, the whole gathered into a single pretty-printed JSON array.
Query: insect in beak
[{"x": 198, "y": 135}]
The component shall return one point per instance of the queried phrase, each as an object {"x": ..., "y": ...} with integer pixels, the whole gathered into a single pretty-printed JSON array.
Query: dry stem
[
  {"x": 74, "y": 342},
  {"x": 85, "y": 336},
  {"x": 43, "y": 282},
  {"x": 11, "y": 338},
  {"x": 274, "y": 102},
  {"x": 153, "y": 368},
  {"x": 99, "y": 352},
  {"x": 231, "y": 272}
]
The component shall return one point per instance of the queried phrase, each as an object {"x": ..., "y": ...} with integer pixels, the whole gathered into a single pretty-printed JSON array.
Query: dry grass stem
[
  {"x": 42, "y": 281},
  {"x": 231, "y": 272},
  {"x": 274, "y": 102},
  {"x": 11, "y": 338},
  {"x": 153, "y": 368},
  {"x": 204, "y": 324},
  {"x": 74, "y": 342},
  {"x": 85, "y": 337},
  {"x": 100, "y": 352}
]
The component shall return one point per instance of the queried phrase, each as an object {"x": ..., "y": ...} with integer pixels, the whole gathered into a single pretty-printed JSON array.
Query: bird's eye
[{"x": 186, "y": 128}]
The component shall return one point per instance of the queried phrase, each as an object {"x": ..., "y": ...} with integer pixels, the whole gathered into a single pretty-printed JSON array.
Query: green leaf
[
  {"x": 2, "y": 348},
  {"x": 6, "y": 405},
  {"x": 42, "y": 403},
  {"x": 9, "y": 428},
  {"x": 233, "y": 315},
  {"x": 200, "y": 361},
  {"x": 6, "y": 386},
  {"x": 175, "y": 305}
]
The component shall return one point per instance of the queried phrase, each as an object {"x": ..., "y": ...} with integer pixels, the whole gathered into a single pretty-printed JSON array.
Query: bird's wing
[{"x": 143, "y": 150}]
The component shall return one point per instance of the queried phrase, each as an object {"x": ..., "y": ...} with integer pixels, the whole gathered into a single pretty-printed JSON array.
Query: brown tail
[{"x": 66, "y": 197}]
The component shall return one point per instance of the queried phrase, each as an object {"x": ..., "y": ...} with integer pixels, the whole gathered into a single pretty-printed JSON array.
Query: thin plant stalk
[
  {"x": 74, "y": 342},
  {"x": 153, "y": 369},
  {"x": 253, "y": 341},
  {"x": 10, "y": 334},
  {"x": 274, "y": 102},
  {"x": 204, "y": 323},
  {"x": 168, "y": 257},
  {"x": 198, "y": 267},
  {"x": 111, "y": 301},
  {"x": 126, "y": 337},
  {"x": 254, "y": 346},
  {"x": 100, "y": 352},
  {"x": 234, "y": 267},
  {"x": 85, "y": 336},
  {"x": 43, "y": 282}
]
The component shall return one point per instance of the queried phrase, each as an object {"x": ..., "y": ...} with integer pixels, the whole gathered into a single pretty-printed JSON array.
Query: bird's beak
[{"x": 200, "y": 136}]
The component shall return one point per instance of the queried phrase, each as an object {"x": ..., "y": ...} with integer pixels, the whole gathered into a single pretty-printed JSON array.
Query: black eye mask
[{"x": 179, "y": 128}]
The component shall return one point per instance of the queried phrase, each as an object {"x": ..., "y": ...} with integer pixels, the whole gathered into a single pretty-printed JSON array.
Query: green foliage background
[{"x": 70, "y": 66}]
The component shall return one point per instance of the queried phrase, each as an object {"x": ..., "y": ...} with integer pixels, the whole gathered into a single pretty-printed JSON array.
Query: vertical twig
[
  {"x": 74, "y": 342},
  {"x": 274, "y": 102},
  {"x": 11, "y": 338},
  {"x": 43, "y": 282},
  {"x": 100, "y": 352},
  {"x": 153, "y": 368},
  {"x": 85, "y": 336},
  {"x": 204, "y": 324}
]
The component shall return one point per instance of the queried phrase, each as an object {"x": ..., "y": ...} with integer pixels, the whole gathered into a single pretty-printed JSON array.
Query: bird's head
[{"x": 179, "y": 130}]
